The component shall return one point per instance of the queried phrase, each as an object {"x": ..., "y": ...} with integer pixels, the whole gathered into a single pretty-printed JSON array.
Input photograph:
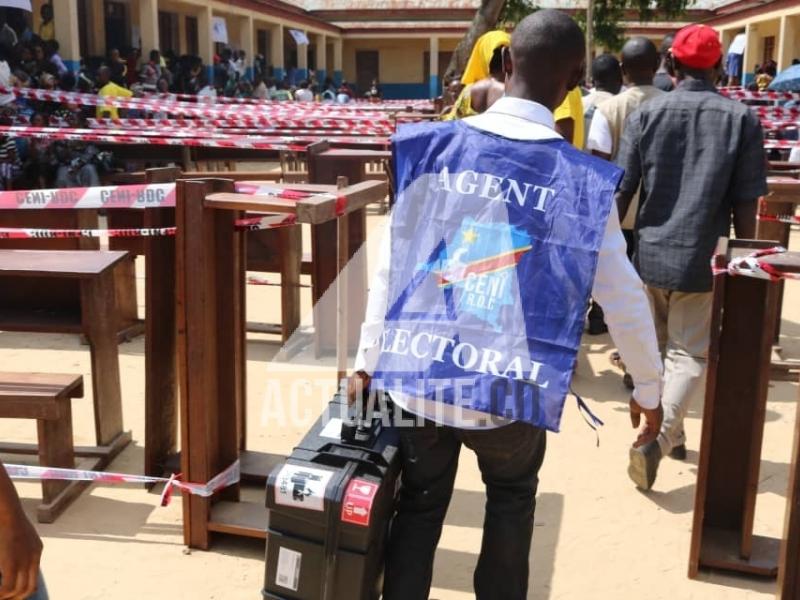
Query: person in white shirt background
[
  {"x": 607, "y": 81},
  {"x": 303, "y": 93},
  {"x": 639, "y": 63},
  {"x": 544, "y": 62}
]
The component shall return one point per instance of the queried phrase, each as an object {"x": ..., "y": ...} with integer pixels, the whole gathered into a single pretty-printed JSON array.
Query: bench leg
[
  {"x": 291, "y": 259},
  {"x": 55, "y": 450}
]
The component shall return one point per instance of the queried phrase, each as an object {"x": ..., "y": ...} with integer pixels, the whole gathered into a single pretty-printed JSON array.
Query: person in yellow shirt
[
  {"x": 109, "y": 88},
  {"x": 47, "y": 28},
  {"x": 569, "y": 118},
  {"x": 481, "y": 81}
]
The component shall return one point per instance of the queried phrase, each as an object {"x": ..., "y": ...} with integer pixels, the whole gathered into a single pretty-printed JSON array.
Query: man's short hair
[
  {"x": 546, "y": 35},
  {"x": 605, "y": 68}
]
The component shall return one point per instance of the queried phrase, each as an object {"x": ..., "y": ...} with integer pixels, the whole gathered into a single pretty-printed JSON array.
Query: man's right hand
[
  {"x": 356, "y": 386},
  {"x": 653, "y": 418},
  {"x": 20, "y": 552}
]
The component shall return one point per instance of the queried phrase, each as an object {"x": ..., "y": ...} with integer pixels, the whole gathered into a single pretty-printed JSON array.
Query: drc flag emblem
[{"x": 480, "y": 268}]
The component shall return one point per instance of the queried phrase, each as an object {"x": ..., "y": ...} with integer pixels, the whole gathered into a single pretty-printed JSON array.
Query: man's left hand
[{"x": 653, "y": 418}]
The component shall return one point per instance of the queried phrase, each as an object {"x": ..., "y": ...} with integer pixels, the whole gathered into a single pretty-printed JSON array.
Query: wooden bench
[
  {"x": 47, "y": 398},
  {"x": 93, "y": 270}
]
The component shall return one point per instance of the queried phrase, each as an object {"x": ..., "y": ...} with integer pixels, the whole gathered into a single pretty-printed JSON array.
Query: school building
[
  {"x": 405, "y": 44},
  {"x": 771, "y": 29}
]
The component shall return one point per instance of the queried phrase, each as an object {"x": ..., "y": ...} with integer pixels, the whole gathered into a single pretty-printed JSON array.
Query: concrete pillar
[
  {"x": 433, "y": 80},
  {"x": 337, "y": 61},
  {"x": 65, "y": 19},
  {"x": 206, "y": 46},
  {"x": 322, "y": 58},
  {"x": 750, "y": 53},
  {"x": 183, "y": 46},
  {"x": 302, "y": 62},
  {"x": 786, "y": 41},
  {"x": 97, "y": 28},
  {"x": 276, "y": 51},
  {"x": 148, "y": 26},
  {"x": 247, "y": 40}
]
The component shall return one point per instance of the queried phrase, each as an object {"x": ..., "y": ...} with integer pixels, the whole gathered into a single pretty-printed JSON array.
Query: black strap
[
  {"x": 592, "y": 421},
  {"x": 329, "y": 552}
]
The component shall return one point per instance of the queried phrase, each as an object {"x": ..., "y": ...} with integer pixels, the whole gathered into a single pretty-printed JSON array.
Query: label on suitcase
[
  {"x": 301, "y": 486},
  {"x": 287, "y": 572}
]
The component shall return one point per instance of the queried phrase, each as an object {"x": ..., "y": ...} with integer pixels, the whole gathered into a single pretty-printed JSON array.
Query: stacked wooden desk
[
  {"x": 211, "y": 309},
  {"x": 782, "y": 201},
  {"x": 743, "y": 312}
]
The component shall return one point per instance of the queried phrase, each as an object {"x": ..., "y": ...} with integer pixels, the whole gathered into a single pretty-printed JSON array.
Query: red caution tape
[
  {"x": 740, "y": 94},
  {"x": 228, "y": 477},
  {"x": 788, "y": 219},
  {"x": 751, "y": 266}
]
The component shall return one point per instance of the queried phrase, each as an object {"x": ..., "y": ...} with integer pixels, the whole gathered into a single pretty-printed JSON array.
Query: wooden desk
[
  {"x": 64, "y": 294},
  {"x": 733, "y": 422},
  {"x": 325, "y": 165},
  {"x": 782, "y": 200},
  {"x": 211, "y": 340},
  {"x": 781, "y": 168},
  {"x": 93, "y": 270}
]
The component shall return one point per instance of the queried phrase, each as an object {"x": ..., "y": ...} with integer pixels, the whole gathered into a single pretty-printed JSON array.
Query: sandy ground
[{"x": 595, "y": 536}]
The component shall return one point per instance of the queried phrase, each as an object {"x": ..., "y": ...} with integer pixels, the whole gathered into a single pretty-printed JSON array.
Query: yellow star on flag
[{"x": 470, "y": 236}]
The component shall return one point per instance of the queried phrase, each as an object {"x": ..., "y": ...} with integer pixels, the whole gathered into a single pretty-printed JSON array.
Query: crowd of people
[{"x": 31, "y": 59}]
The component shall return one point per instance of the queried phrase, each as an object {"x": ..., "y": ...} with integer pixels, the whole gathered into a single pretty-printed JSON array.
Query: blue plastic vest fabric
[{"x": 494, "y": 251}]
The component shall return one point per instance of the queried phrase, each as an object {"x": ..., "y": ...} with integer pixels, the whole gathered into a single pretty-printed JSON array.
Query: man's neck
[
  {"x": 524, "y": 91},
  {"x": 688, "y": 77}
]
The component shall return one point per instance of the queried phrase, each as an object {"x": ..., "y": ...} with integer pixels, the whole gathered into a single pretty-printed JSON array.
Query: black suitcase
[{"x": 330, "y": 505}]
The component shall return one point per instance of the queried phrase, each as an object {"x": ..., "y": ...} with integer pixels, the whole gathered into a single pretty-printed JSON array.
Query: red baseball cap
[{"x": 697, "y": 46}]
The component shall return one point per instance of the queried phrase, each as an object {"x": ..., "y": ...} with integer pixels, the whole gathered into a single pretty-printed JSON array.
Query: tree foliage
[
  {"x": 609, "y": 14},
  {"x": 515, "y": 10},
  {"x": 486, "y": 18}
]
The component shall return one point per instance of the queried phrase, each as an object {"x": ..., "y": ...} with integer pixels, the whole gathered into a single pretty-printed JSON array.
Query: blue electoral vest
[{"x": 494, "y": 251}]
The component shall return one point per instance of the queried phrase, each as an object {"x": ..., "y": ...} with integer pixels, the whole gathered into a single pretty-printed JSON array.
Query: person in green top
[{"x": 282, "y": 93}]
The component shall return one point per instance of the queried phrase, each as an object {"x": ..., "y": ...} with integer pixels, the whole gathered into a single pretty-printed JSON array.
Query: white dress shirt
[
  {"x": 617, "y": 288},
  {"x": 599, "y": 135}
]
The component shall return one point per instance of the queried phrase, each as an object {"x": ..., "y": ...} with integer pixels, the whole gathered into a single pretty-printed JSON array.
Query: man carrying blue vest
[{"x": 500, "y": 232}]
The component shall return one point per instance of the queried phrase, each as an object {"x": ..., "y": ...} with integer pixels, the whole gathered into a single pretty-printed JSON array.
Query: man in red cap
[{"x": 700, "y": 160}]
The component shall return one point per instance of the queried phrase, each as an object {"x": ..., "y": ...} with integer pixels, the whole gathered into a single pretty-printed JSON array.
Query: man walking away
[
  {"x": 639, "y": 64},
  {"x": 498, "y": 412},
  {"x": 663, "y": 79},
  {"x": 607, "y": 79},
  {"x": 700, "y": 160}
]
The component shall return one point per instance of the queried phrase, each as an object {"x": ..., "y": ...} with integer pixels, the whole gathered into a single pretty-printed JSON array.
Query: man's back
[
  {"x": 617, "y": 108},
  {"x": 698, "y": 154}
]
